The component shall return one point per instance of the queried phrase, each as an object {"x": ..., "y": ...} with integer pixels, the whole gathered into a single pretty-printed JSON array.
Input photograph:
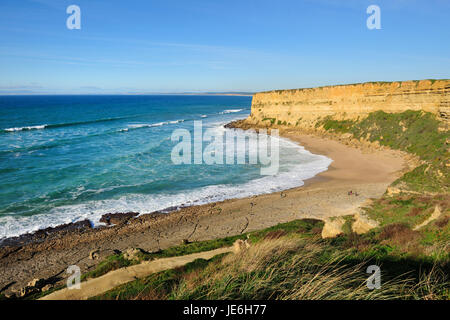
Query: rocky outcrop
[
  {"x": 34, "y": 286},
  {"x": 363, "y": 224},
  {"x": 43, "y": 234},
  {"x": 303, "y": 107},
  {"x": 116, "y": 218},
  {"x": 333, "y": 227},
  {"x": 134, "y": 254},
  {"x": 240, "y": 246}
]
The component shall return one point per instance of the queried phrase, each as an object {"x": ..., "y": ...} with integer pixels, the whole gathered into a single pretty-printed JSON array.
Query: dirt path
[{"x": 115, "y": 278}]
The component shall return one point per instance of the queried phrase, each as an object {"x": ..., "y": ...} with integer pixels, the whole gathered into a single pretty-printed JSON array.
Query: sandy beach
[{"x": 326, "y": 195}]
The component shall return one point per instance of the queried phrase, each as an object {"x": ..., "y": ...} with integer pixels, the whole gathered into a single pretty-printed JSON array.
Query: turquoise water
[{"x": 68, "y": 158}]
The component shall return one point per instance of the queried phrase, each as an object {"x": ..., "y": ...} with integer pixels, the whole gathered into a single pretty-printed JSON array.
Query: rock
[
  {"x": 10, "y": 295},
  {"x": 47, "y": 233},
  {"x": 240, "y": 245},
  {"x": 346, "y": 136},
  {"x": 46, "y": 288},
  {"x": 133, "y": 254},
  {"x": 117, "y": 218},
  {"x": 234, "y": 124},
  {"x": 36, "y": 283},
  {"x": 363, "y": 224},
  {"x": 392, "y": 191},
  {"x": 26, "y": 291},
  {"x": 94, "y": 254},
  {"x": 332, "y": 228},
  {"x": 351, "y": 102}
]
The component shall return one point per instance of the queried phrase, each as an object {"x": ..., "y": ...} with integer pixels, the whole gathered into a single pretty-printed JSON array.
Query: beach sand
[{"x": 323, "y": 196}]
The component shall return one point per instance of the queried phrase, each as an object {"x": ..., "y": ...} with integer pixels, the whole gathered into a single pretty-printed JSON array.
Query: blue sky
[{"x": 147, "y": 46}]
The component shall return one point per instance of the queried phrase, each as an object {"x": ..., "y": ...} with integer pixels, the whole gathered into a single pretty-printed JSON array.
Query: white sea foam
[
  {"x": 176, "y": 121},
  {"x": 40, "y": 127},
  {"x": 147, "y": 125},
  {"x": 230, "y": 111},
  {"x": 300, "y": 165},
  {"x": 150, "y": 125}
]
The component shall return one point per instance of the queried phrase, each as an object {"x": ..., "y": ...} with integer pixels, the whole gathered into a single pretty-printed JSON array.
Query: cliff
[{"x": 303, "y": 107}]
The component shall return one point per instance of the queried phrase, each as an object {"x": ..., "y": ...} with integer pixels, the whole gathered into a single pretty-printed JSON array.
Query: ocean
[{"x": 68, "y": 158}]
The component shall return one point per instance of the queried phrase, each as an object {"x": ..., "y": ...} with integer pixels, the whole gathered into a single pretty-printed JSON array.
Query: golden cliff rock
[{"x": 303, "y": 107}]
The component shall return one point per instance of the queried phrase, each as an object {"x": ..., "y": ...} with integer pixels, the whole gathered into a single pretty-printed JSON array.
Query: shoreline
[
  {"x": 321, "y": 197},
  {"x": 103, "y": 221}
]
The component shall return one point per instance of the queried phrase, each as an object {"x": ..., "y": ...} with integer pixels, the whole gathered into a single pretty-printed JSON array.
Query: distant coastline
[{"x": 244, "y": 94}]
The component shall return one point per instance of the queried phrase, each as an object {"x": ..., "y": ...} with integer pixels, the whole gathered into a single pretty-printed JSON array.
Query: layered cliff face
[{"x": 303, "y": 107}]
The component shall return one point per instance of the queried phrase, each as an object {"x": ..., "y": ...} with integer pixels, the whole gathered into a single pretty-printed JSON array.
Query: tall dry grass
[{"x": 289, "y": 268}]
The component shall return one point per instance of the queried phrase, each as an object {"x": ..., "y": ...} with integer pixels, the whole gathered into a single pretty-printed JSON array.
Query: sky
[{"x": 174, "y": 46}]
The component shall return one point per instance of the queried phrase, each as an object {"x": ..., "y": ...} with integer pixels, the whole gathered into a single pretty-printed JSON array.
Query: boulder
[
  {"x": 36, "y": 283},
  {"x": 134, "y": 254},
  {"x": 347, "y": 136},
  {"x": 47, "y": 233},
  {"x": 46, "y": 287},
  {"x": 26, "y": 291},
  {"x": 240, "y": 245},
  {"x": 117, "y": 218},
  {"x": 332, "y": 228},
  {"x": 363, "y": 224},
  {"x": 94, "y": 254},
  {"x": 10, "y": 295}
]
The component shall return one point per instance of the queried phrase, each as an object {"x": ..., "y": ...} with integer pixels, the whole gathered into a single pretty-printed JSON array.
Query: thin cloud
[{"x": 20, "y": 87}]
